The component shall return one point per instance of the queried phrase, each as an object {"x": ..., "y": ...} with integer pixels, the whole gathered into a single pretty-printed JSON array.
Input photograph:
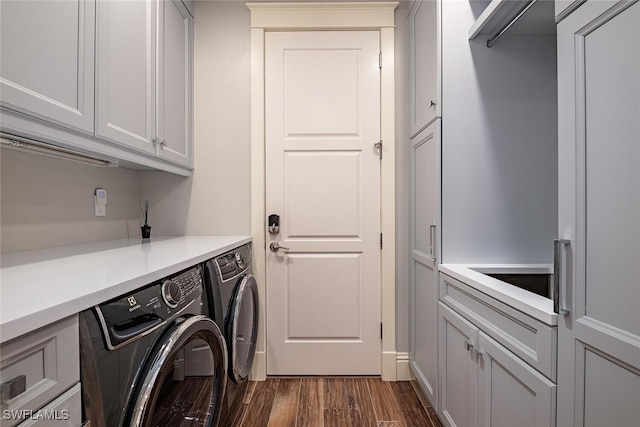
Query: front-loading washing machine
[
  {"x": 233, "y": 304},
  {"x": 152, "y": 358}
]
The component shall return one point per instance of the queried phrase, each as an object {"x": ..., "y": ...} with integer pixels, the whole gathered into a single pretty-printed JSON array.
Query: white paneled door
[
  {"x": 322, "y": 97},
  {"x": 599, "y": 182}
]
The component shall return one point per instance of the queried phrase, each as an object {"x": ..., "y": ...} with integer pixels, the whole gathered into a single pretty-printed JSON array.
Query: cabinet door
[
  {"x": 48, "y": 358},
  {"x": 175, "y": 38},
  {"x": 424, "y": 65},
  {"x": 599, "y": 176},
  {"x": 47, "y": 59},
  {"x": 125, "y": 73},
  {"x": 425, "y": 212},
  {"x": 512, "y": 393},
  {"x": 458, "y": 370}
]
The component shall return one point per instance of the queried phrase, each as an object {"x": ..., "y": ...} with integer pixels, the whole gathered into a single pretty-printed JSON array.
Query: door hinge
[
  {"x": 380, "y": 60},
  {"x": 380, "y": 240},
  {"x": 380, "y": 330},
  {"x": 378, "y": 147}
]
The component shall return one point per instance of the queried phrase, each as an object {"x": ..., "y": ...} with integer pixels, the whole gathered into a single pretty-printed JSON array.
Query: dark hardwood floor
[{"x": 333, "y": 402}]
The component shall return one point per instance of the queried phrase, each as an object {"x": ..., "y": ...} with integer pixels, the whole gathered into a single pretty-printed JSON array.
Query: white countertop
[
  {"x": 536, "y": 306},
  {"x": 40, "y": 287}
]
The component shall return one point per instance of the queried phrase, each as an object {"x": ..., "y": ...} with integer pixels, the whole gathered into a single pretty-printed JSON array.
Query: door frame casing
[{"x": 377, "y": 16}]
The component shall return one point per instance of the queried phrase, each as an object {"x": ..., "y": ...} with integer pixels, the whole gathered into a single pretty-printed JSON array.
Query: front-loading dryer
[
  {"x": 233, "y": 302},
  {"x": 152, "y": 358}
]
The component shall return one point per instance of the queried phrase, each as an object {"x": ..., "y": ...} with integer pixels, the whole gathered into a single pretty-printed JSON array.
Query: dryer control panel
[
  {"x": 133, "y": 315},
  {"x": 232, "y": 264}
]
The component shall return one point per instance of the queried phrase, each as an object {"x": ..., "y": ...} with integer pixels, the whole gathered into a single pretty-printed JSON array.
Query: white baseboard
[
  {"x": 403, "y": 373},
  {"x": 388, "y": 366},
  {"x": 259, "y": 368},
  {"x": 395, "y": 366}
]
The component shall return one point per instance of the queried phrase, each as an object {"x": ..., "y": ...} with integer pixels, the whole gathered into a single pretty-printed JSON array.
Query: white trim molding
[
  {"x": 326, "y": 16},
  {"x": 322, "y": 15},
  {"x": 403, "y": 372}
]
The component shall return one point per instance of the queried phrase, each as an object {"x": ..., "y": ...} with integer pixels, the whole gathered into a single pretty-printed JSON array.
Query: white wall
[
  {"x": 48, "y": 202},
  {"x": 216, "y": 200},
  {"x": 499, "y": 130}
]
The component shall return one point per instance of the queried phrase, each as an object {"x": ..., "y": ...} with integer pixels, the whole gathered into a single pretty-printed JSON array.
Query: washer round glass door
[
  {"x": 184, "y": 381},
  {"x": 241, "y": 328}
]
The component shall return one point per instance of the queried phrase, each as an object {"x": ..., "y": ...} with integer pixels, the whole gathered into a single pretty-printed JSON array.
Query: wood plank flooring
[{"x": 333, "y": 402}]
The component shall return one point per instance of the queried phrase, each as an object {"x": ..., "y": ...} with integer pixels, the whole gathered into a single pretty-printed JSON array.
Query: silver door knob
[{"x": 274, "y": 246}]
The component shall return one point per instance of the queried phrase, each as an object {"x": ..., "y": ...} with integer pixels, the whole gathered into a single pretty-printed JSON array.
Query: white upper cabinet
[
  {"x": 144, "y": 77},
  {"x": 125, "y": 95},
  {"x": 106, "y": 71},
  {"x": 424, "y": 64},
  {"x": 48, "y": 74},
  {"x": 174, "y": 74}
]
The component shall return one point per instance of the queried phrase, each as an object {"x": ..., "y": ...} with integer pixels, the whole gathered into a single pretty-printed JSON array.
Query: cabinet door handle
[
  {"x": 432, "y": 240},
  {"x": 432, "y": 103},
  {"x": 557, "y": 261},
  {"x": 468, "y": 346},
  {"x": 476, "y": 354},
  {"x": 13, "y": 388}
]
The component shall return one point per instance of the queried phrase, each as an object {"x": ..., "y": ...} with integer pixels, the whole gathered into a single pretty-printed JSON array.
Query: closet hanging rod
[
  {"x": 508, "y": 25},
  {"x": 26, "y": 145}
]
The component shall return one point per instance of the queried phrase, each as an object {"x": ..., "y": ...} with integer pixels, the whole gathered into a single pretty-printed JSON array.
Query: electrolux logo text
[{"x": 26, "y": 414}]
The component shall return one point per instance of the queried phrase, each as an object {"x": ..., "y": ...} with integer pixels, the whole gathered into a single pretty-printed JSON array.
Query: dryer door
[
  {"x": 241, "y": 328},
  {"x": 184, "y": 380}
]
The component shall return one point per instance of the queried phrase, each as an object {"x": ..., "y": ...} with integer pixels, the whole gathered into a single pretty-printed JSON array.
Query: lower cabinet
[
  {"x": 484, "y": 384},
  {"x": 458, "y": 370},
  {"x": 40, "y": 376},
  {"x": 511, "y": 393}
]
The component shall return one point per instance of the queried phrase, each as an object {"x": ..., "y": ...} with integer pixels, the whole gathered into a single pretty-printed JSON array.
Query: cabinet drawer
[
  {"x": 49, "y": 358},
  {"x": 65, "y": 411},
  {"x": 530, "y": 339}
]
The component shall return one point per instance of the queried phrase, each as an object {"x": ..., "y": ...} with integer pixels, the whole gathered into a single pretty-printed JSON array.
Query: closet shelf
[{"x": 539, "y": 19}]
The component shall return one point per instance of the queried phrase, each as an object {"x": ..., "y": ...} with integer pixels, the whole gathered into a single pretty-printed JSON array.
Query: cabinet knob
[
  {"x": 432, "y": 103},
  {"x": 468, "y": 346}
]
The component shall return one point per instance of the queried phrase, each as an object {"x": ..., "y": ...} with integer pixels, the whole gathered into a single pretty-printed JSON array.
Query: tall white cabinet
[
  {"x": 425, "y": 220},
  {"x": 425, "y": 158},
  {"x": 599, "y": 181}
]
